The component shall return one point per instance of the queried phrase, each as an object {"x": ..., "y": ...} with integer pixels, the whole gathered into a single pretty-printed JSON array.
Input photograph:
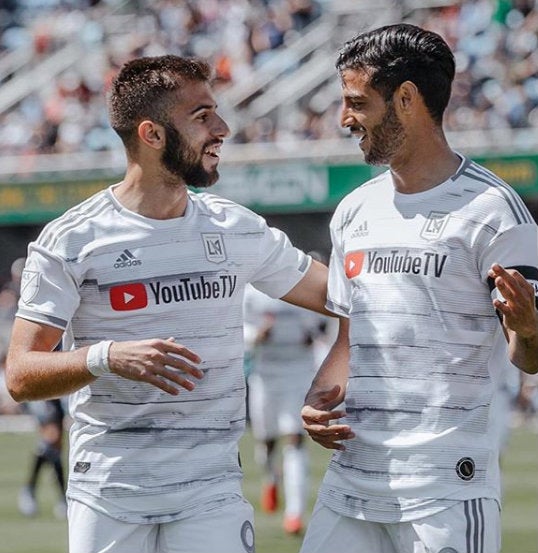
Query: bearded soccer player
[
  {"x": 146, "y": 279},
  {"x": 440, "y": 284}
]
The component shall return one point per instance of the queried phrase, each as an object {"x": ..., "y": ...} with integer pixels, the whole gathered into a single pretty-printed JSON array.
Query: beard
[
  {"x": 180, "y": 159},
  {"x": 385, "y": 138}
]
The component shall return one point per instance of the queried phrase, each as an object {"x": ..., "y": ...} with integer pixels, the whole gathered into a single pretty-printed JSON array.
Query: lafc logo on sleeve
[{"x": 214, "y": 247}]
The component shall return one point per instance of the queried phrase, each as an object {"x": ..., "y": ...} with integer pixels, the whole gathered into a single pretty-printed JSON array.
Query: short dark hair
[
  {"x": 397, "y": 53},
  {"x": 146, "y": 88}
]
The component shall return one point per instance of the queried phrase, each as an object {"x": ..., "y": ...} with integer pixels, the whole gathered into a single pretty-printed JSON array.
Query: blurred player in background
[
  {"x": 527, "y": 402},
  {"x": 49, "y": 415},
  {"x": 283, "y": 367},
  {"x": 435, "y": 265},
  {"x": 146, "y": 279}
]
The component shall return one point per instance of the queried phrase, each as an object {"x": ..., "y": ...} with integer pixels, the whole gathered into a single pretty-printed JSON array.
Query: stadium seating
[{"x": 274, "y": 61}]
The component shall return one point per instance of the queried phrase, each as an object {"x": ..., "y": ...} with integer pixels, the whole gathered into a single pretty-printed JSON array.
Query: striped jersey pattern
[
  {"x": 426, "y": 347},
  {"x": 101, "y": 272}
]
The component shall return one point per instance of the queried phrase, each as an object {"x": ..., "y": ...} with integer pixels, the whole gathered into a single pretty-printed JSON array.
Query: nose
[
  {"x": 221, "y": 127},
  {"x": 346, "y": 118}
]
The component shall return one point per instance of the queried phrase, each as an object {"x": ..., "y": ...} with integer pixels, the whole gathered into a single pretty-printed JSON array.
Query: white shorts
[
  {"x": 226, "y": 530},
  {"x": 471, "y": 526},
  {"x": 275, "y": 413}
]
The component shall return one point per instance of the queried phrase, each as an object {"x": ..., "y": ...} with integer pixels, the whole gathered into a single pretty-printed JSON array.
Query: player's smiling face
[
  {"x": 194, "y": 135},
  {"x": 369, "y": 118}
]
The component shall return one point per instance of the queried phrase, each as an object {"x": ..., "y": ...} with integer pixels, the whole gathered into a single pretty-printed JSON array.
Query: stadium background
[{"x": 276, "y": 86}]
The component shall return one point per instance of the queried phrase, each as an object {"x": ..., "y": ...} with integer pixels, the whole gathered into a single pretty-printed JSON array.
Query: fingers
[
  {"x": 509, "y": 282},
  {"x": 330, "y": 437},
  {"x": 161, "y": 363},
  {"x": 163, "y": 381},
  {"x": 175, "y": 356},
  {"x": 317, "y": 423},
  {"x": 519, "y": 306},
  {"x": 170, "y": 346},
  {"x": 174, "y": 361},
  {"x": 312, "y": 415}
]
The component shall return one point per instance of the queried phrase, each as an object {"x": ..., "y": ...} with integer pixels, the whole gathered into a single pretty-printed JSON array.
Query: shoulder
[
  {"x": 352, "y": 202},
  {"x": 77, "y": 221},
  {"x": 224, "y": 210},
  {"x": 492, "y": 196}
]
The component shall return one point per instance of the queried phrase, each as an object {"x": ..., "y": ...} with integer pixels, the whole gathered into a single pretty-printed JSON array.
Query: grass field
[{"x": 44, "y": 534}]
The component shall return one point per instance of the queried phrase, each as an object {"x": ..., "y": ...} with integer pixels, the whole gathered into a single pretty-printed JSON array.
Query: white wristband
[{"x": 97, "y": 358}]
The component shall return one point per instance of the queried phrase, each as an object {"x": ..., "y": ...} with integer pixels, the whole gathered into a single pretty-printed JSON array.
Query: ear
[
  {"x": 151, "y": 134},
  {"x": 406, "y": 97}
]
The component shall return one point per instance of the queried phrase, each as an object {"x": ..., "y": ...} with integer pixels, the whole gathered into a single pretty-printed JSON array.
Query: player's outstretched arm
[
  {"x": 34, "y": 371},
  {"x": 326, "y": 393},
  {"x": 311, "y": 291},
  {"x": 519, "y": 315}
]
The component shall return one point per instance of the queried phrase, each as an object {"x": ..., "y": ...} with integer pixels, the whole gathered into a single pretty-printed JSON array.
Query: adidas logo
[
  {"x": 126, "y": 259},
  {"x": 362, "y": 230}
]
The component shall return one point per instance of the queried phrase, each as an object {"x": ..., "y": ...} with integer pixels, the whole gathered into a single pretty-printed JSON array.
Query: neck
[
  {"x": 152, "y": 193},
  {"x": 427, "y": 163}
]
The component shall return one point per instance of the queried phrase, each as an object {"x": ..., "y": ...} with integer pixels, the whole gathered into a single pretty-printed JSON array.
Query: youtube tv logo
[
  {"x": 128, "y": 297},
  {"x": 353, "y": 264}
]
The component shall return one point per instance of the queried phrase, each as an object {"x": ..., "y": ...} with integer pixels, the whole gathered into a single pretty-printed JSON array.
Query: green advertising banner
[{"x": 283, "y": 187}]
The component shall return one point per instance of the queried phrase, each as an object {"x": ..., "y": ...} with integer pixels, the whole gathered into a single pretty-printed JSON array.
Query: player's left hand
[
  {"x": 519, "y": 308},
  {"x": 318, "y": 415}
]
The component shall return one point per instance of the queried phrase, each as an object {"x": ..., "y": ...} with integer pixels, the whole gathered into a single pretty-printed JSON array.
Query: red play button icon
[
  {"x": 127, "y": 297},
  {"x": 353, "y": 264}
]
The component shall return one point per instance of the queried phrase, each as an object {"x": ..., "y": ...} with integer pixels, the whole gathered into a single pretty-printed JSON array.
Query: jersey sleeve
[
  {"x": 339, "y": 287},
  {"x": 49, "y": 293},
  {"x": 515, "y": 248},
  {"x": 281, "y": 266}
]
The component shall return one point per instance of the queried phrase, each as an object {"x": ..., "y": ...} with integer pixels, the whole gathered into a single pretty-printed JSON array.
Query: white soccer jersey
[
  {"x": 410, "y": 272},
  {"x": 103, "y": 272}
]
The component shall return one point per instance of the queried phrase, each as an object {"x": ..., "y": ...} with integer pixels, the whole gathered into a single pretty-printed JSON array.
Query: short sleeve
[
  {"x": 281, "y": 266},
  {"x": 339, "y": 287},
  {"x": 49, "y": 293},
  {"x": 515, "y": 248}
]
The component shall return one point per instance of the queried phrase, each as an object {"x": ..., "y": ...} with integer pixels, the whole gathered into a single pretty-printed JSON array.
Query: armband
[{"x": 97, "y": 358}]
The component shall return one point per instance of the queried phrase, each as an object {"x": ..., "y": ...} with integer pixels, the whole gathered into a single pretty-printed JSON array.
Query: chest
[{"x": 385, "y": 241}]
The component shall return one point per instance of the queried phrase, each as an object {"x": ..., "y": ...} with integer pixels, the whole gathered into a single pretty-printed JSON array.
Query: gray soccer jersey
[
  {"x": 410, "y": 272},
  {"x": 103, "y": 272}
]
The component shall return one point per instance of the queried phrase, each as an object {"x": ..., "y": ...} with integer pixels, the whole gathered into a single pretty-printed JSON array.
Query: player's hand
[
  {"x": 317, "y": 415},
  {"x": 162, "y": 363},
  {"x": 519, "y": 308}
]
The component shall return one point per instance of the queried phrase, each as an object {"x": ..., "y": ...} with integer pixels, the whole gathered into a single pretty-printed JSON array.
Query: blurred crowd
[
  {"x": 495, "y": 43},
  {"x": 67, "y": 115}
]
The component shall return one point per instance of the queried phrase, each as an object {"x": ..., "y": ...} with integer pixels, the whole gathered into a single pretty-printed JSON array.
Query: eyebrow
[
  {"x": 354, "y": 96},
  {"x": 202, "y": 107}
]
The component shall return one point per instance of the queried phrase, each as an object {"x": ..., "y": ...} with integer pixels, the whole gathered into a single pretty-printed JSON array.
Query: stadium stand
[{"x": 274, "y": 61}]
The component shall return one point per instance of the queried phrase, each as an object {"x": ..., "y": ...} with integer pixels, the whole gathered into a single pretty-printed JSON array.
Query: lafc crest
[
  {"x": 435, "y": 225},
  {"x": 214, "y": 247}
]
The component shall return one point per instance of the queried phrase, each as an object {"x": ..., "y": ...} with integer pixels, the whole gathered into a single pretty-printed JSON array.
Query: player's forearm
[
  {"x": 334, "y": 370},
  {"x": 34, "y": 375},
  {"x": 524, "y": 352},
  {"x": 311, "y": 291}
]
